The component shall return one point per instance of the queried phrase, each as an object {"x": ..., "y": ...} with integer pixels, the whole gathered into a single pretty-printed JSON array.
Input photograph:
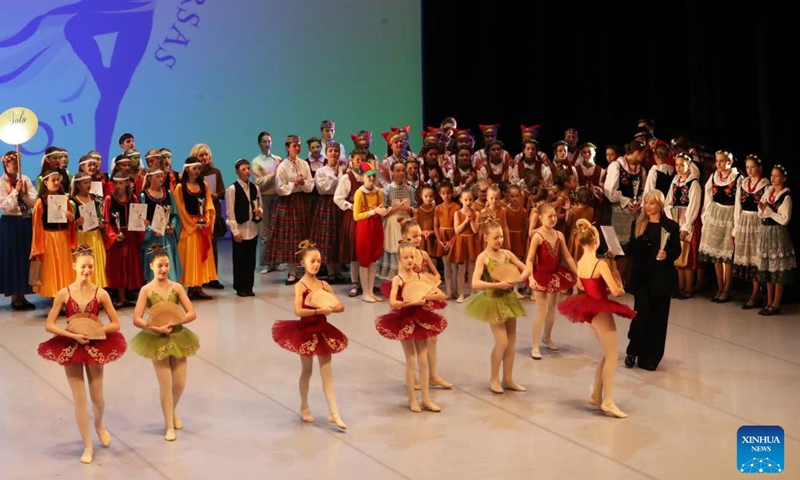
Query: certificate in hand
[
  {"x": 88, "y": 212},
  {"x": 612, "y": 241},
  {"x": 56, "y": 209},
  {"x": 136, "y": 217},
  {"x": 97, "y": 189},
  {"x": 160, "y": 220},
  {"x": 211, "y": 180}
]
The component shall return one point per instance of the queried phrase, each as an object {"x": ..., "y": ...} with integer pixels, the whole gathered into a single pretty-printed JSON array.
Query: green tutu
[
  {"x": 155, "y": 346},
  {"x": 493, "y": 306}
]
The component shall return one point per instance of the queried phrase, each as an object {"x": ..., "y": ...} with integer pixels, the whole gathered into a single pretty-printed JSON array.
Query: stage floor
[{"x": 724, "y": 368}]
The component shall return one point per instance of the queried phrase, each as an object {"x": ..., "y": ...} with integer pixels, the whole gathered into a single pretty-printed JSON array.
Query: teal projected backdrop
[{"x": 179, "y": 72}]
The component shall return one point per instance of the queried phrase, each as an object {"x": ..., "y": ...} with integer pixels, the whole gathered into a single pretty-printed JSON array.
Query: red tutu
[
  {"x": 66, "y": 351},
  {"x": 582, "y": 308},
  {"x": 410, "y": 323},
  {"x": 311, "y": 335}
]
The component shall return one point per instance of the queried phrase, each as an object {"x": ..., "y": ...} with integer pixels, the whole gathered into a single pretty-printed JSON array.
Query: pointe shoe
[
  {"x": 86, "y": 457},
  {"x": 334, "y": 419},
  {"x": 495, "y": 387},
  {"x": 535, "y": 354},
  {"x": 440, "y": 382},
  {"x": 170, "y": 436},
  {"x": 305, "y": 414},
  {"x": 104, "y": 436},
  {"x": 460, "y": 299},
  {"x": 176, "y": 422},
  {"x": 613, "y": 410},
  {"x": 550, "y": 345},
  {"x": 368, "y": 298},
  {"x": 514, "y": 387},
  {"x": 431, "y": 407}
]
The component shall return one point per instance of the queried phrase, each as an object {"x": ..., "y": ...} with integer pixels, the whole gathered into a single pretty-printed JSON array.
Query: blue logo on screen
[
  {"x": 76, "y": 25},
  {"x": 760, "y": 449}
]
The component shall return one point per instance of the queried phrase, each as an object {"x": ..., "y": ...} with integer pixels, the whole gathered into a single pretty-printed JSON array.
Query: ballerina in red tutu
[
  {"x": 413, "y": 323},
  {"x": 312, "y": 335},
  {"x": 594, "y": 307},
  {"x": 77, "y": 353},
  {"x": 548, "y": 276},
  {"x": 412, "y": 233}
]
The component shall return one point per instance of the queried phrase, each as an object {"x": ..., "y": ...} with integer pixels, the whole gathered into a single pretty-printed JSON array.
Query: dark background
[{"x": 725, "y": 77}]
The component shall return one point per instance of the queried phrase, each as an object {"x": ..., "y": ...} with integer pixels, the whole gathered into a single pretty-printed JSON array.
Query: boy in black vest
[{"x": 242, "y": 202}]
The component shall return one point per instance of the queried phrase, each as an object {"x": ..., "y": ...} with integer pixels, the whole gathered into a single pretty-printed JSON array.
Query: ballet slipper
[
  {"x": 519, "y": 295},
  {"x": 176, "y": 422},
  {"x": 595, "y": 401},
  {"x": 536, "y": 354},
  {"x": 368, "y": 298},
  {"x": 170, "y": 436},
  {"x": 336, "y": 420},
  {"x": 305, "y": 414},
  {"x": 431, "y": 407},
  {"x": 613, "y": 410},
  {"x": 103, "y": 435},
  {"x": 460, "y": 299},
  {"x": 550, "y": 345},
  {"x": 513, "y": 386},
  {"x": 86, "y": 457},
  {"x": 377, "y": 299},
  {"x": 414, "y": 406},
  {"x": 441, "y": 382},
  {"x": 495, "y": 387}
]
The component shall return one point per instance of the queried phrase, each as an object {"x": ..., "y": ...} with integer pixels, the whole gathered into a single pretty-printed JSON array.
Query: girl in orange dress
[
  {"x": 497, "y": 211},
  {"x": 517, "y": 221},
  {"x": 424, "y": 215},
  {"x": 465, "y": 247},
  {"x": 196, "y": 210},
  {"x": 445, "y": 233},
  {"x": 52, "y": 243}
]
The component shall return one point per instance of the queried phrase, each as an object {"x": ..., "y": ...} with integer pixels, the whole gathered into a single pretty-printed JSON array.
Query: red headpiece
[
  {"x": 462, "y": 133},
  {"x": 362, "y": 139},
  {"x": 490, "y": 128},
  {"x": 530, "y": 132},
  {"x": 393, "y": 135}
]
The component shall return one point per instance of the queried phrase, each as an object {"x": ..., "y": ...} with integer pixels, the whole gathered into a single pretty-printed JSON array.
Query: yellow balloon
[{"x": 18, "y": 125}]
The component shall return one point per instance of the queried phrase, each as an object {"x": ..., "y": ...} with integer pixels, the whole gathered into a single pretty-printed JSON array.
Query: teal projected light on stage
[{"x": 179, "y": 72}]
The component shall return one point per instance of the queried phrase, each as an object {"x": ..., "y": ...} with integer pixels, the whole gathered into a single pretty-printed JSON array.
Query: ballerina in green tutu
[
  {"x": 167, "y": 346},
  {"x": 497, "y": 305}
]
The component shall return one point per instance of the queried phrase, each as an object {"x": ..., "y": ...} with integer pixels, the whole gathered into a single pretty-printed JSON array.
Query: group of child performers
[
  {"x": 86, "y": 345},
  {"x": 103, "y": 224}
]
